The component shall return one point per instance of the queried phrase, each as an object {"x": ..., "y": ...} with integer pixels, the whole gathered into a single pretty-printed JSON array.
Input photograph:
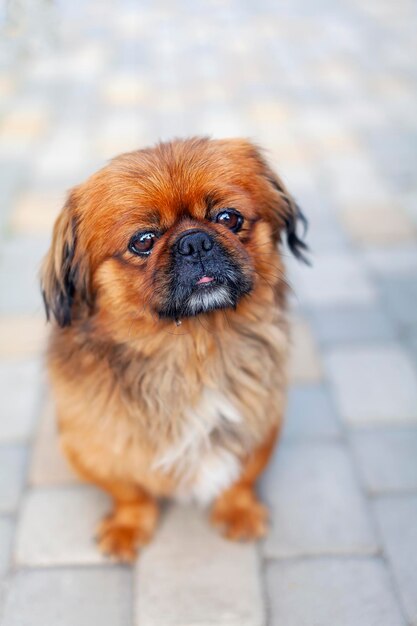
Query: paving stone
[
  {"x": 394, "y": 151},
  {"x": 79, "y": 66},
  {"x": 19, "y": 275},
  {"x": 392, "y": 261},
  {"x": 7, "y": 85},
  {"x": 397, "y": 521},
  {"x": 12, "y": 476},
  {"x": 27, "y": 124},
  {"x": 284, "y": 148},
  {"x": 317, "y": 507},
  {"x": 368, "y": 187},
  {"x": 266, "y": 111},
  {"x": 65, "y": 154},
  {"x": 409, "y": 201},
  {"x": 12, "y": 172},
  {"x": 333, "y": 279},
  {"x": 326, "y": 592},
  {"x": 124, "y": 124},
  {"x": 22, "y": 335},
  {"x": 325, "y": 129},
  {"x": 399, "y": 295},
  {"x": 16, "y": 146},
  {"x": 310, "y": 413},
  {"x": 57, "y": 526},
  {"x": 411, "y": 340},
  {"x": 125, "y": 89},
  {"x": 19, "y": 391},
  {"x": 387, "y": 459},
  {"x": 48, "y": 464},
  {"x": 383, "y": 224},
  {"x": 189, "y": 575},
  {"x": 351, "y": 324},
  {"x": 374, "y": 384},
  {"x": 220, "y": 121},
  {"x": 6, "y": 537},
  {"x": 66, "y": 597},
  {"x": 304, "y": 362},
  {"x": 299, "y": 177},
  {"x": 107, "y": 147},
  {"x": 36, "y": 212},
  {"x": 324, "y": 234},
  {"x": 361, "y": 113}
]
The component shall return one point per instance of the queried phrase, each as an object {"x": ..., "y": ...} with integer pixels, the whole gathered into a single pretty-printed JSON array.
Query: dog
[{"x": 169, "y": 348}]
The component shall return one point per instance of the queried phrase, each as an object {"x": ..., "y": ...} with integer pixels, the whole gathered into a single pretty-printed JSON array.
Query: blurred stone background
[{"x": 329, "y": 89}]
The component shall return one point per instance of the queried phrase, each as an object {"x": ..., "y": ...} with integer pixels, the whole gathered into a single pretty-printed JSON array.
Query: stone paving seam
[{"x": 371, "y": 514}]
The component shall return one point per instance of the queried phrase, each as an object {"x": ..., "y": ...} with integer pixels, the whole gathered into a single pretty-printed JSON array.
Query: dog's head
[{"x": 175, "y": 231}]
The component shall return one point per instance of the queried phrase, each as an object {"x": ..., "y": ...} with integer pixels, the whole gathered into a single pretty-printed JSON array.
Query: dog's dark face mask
[{"x": 204, "y": 275}]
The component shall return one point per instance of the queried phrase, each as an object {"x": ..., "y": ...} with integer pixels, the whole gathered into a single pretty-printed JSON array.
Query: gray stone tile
[
  {"x": 57, "y": 526},
  {"x": 373, "y": 384},
  {"x": 23, "y": 338},
  {"x": 48, "y": 465},
  {"x": 359, "y": 167},
  {"x": 310, "y": 414},
  {"x": 19, "y": 392},
  {"x": 6, "y": 537},
  {"x": 409, "y": 200},
  {"x": 325, "y": 234},
  {"x": 351, "y": 324},
  {"x": 392, "y": 260},
  {"x": 379, "y": 223},
  {"x": 190, "y": 575},
  {"x": 387, "y": 459},
  {"x": 12, "y": 173},
  {"x": 69, "y": 597},
  {"x": 64, "y": 156},
  {"x": 336, "y": 279},
  {"x": 326, "y": 592},
  {"x": 397, "y": 521},
  {"x": 411, "y": 342},
  {"x": 304, "y": 365},
  {"x": 13, "y": 462},
  {"x": 316, "y": 505},
  {"x": 395, "y": 152},
  {"x": 20, "y": 262},
  {"x": 399, "y": 295}
]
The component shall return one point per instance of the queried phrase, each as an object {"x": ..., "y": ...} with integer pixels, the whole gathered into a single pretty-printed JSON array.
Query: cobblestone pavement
[{"x": 330, "y": 89}]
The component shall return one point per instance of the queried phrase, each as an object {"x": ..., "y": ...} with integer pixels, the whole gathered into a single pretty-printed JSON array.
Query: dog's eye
[
  {"x": 230, "y": 218},
  {"x": 142, "y": 243}
]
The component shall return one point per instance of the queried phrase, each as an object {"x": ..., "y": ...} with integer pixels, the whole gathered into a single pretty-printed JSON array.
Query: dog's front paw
[
  {"x": 118, "y": 541},
  {"x": 240, "y": 516},
  {"x": 123, "y": 532}
]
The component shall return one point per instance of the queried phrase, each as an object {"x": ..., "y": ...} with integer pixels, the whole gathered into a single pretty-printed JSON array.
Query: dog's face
[{"x": 176, "y": 231}]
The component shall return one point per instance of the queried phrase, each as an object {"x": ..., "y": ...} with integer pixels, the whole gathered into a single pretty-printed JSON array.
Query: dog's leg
[
  {"x": 237, "y": 512},
  {"x": 131, "y": 523},
  {"x": 134, "y": 517}
]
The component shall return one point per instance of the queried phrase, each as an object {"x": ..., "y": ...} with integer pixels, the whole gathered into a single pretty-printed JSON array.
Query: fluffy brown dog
[{"x": 169, "y": 355}]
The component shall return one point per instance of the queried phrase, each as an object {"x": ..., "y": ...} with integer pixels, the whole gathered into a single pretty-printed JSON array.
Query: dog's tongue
[{"x": 205, "y": 279}]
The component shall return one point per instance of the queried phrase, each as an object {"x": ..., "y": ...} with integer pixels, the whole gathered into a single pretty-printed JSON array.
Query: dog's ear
[
  {"x": 284, "y": 213},
  {"x": 64, "y": 273},
  {"x": 294, "y": 221}
]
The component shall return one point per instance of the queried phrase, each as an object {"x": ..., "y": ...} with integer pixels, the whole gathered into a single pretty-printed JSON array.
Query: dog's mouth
[
  {"x": 206, "y": 293},
  {"x": 205, "y": 281}
]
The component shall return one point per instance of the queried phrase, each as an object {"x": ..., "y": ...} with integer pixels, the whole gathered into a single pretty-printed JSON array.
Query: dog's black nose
[{"x": 194, "y": 243}]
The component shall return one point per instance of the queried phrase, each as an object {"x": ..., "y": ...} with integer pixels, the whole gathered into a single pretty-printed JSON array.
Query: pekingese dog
[{"x": 168, "y": 358}]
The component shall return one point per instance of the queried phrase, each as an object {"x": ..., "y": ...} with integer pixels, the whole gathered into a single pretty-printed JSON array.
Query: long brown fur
[{"x": 127, "y": 383}]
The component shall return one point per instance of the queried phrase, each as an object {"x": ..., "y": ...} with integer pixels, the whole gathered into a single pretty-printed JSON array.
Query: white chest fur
[{"x": 204, "y": 466}]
